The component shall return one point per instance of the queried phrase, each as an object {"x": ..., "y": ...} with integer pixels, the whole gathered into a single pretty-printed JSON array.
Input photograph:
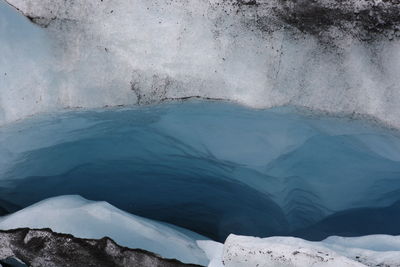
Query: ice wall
[{"x": 337, "y": 56}]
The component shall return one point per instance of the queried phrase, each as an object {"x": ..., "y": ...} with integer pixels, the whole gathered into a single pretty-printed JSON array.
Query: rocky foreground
[{"x": 45, "y": 248}]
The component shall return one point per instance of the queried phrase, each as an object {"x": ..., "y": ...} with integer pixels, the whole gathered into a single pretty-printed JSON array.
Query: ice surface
[
  {"x": 251, "y": 252},
  {"x": 98, "y": 53},
  {"x": 88, "y": 219},
  {"x": 212, "y": 167},
  {"x": 238, "y": 251}
]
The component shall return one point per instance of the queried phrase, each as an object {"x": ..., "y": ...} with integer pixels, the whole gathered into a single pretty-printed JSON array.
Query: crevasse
[{"x": 212, "y": 167}]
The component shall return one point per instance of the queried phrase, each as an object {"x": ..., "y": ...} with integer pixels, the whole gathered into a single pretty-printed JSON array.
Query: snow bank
[{"x": 88, "y": 219}]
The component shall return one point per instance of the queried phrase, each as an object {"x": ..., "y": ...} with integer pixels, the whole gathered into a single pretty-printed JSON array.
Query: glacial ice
[
  {"x": 212, "y": 167},
  {"x": 109, "y": 53},
  {"x": 318, "y": 163},
  {"x": 245, "y": 251},
  {"x": 287, "y": 251},
  {"x": 88, "y": 219}
]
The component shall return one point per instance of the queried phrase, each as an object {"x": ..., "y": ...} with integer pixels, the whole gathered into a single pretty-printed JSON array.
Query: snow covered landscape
[{"x": 239, "y": 133}]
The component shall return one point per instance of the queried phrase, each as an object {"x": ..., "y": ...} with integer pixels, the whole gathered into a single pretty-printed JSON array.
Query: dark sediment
[{"x": 46, "y": 248}]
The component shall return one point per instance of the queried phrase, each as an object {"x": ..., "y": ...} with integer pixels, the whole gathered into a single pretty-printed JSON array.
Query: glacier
[{"x": 217, "y": 132}]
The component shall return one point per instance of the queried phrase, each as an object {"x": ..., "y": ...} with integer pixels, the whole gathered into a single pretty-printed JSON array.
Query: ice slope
[
  {"x": 337, "y": 56},
  {"x": 213, "y": 167},
  {"x": 245, "y": 251},
  {"x": 89, "y": 219}
]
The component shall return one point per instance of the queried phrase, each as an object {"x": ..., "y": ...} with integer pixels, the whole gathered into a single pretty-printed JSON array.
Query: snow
[{"x": 89, "y": 219}]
